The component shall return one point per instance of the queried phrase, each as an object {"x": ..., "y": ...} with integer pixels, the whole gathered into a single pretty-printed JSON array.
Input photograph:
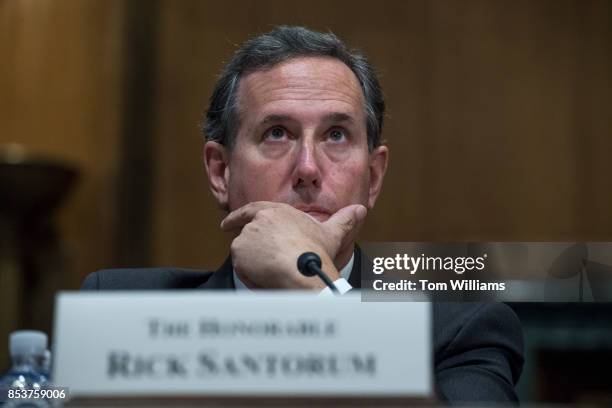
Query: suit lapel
[{"x": 223, "y": 278}]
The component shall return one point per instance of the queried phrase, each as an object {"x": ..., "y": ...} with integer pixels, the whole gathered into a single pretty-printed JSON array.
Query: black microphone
[{"x": 309, "y": 264}]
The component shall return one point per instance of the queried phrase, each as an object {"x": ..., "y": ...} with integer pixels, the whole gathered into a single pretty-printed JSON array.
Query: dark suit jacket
[{"x": 478, "y": 347}]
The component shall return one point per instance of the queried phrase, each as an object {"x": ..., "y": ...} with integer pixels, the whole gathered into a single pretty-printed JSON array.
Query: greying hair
[{"x": 281, "y": 44}]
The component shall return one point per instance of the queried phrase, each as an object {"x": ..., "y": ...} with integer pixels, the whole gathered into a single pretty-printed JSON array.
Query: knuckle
[
  {"x": 349, "y": 225},
  {"x": 285, "y": 207},
  {"x": 266, "y": 214},
  {"x": 245, "y": 209},
  {"x": 343, "y": 229}
]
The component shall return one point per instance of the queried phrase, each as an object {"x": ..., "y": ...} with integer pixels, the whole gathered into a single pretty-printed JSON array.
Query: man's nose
[{"x": 306, "y": 172}]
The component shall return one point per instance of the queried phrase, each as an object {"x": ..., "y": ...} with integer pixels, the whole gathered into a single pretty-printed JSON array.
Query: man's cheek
[
  {"x": 358, "y": 178},
  {"x": 249, "y": 189},
  {"x": 238, "y": 194}
]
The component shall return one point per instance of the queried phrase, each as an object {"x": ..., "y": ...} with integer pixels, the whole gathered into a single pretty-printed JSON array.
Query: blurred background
[{"x": 499, "y": 125}]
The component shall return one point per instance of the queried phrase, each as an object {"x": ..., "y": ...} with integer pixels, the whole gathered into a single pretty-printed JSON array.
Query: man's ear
[
  {"x": 379, "y": 159},
  {"x": 216, "y": 160}
]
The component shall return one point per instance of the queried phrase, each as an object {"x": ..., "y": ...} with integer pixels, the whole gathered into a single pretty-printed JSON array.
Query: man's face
[{"x": 302, "y": 141}]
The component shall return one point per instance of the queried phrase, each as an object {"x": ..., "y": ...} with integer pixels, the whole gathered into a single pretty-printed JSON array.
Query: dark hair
[{"x": 281, "y": 44}]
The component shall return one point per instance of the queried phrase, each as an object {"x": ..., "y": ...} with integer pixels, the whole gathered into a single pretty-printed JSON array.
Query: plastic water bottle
[
  {"x": 28, "y": 353},
  {"x": 46, "y": 364}
]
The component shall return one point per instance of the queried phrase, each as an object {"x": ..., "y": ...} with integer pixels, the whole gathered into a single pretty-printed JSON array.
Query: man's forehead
[{"x": 316, "y": 79}]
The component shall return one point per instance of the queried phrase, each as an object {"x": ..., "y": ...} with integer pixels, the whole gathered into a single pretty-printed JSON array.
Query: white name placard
[{"x": 237, "y": 344}]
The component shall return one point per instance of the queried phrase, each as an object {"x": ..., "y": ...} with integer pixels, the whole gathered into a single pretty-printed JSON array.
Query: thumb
[{"x": 346, "y": 221}]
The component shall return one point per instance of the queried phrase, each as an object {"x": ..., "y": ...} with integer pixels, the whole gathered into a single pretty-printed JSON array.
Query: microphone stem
[{"x": 324, "y": 277}]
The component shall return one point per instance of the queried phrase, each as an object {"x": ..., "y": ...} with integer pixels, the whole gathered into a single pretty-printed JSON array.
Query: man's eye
[
  {"x": 276, "y": 133},
  {"x": 337, "y": 135}
]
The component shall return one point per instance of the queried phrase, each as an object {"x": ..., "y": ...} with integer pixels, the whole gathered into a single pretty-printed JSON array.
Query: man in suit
[{"x": 294, "y": 156}]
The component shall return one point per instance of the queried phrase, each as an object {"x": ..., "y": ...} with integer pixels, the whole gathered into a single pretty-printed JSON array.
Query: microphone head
[{"x": 304, "y": 260}]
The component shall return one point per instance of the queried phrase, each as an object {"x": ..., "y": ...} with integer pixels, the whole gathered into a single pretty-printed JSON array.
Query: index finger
[{"x": 245, "y": 214}]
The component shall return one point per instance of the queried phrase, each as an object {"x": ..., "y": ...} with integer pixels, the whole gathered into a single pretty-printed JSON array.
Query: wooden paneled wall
[
  {"x": 499, "y": 117},
  {"x": 60, "y": 97}
]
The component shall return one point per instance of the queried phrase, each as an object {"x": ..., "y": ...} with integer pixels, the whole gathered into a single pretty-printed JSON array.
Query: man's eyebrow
[
  {"x": 329, "y": 117},
  {"x": 275, "y": 118},
  {"x": 338, "y": 117}
]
